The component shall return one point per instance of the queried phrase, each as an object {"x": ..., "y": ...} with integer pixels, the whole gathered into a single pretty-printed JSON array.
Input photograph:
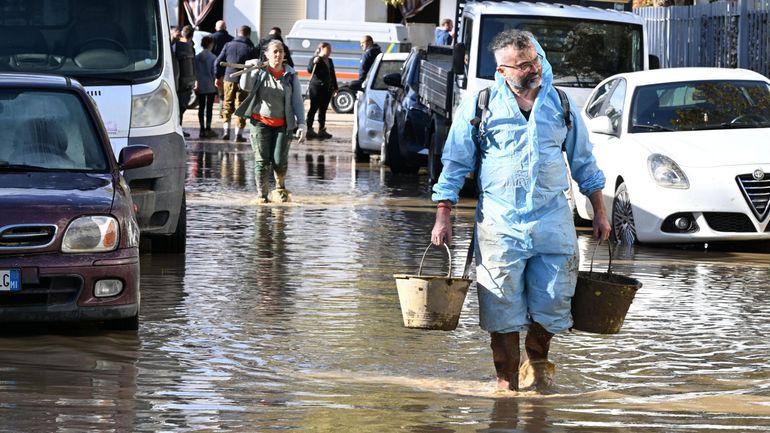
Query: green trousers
[{"x": 271, "y": 149}]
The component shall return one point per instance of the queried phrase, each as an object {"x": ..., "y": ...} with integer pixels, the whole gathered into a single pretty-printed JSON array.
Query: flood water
[{"x": 286, "y": 317}]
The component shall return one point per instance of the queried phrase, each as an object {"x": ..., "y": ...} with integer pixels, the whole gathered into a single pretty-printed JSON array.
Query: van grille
[
  {"x": 757, "y": 194},
  {"x": 27, "y": 236}
]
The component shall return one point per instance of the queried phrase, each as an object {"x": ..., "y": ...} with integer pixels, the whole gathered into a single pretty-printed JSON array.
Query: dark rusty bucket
[{"x": 602, "y": 299}]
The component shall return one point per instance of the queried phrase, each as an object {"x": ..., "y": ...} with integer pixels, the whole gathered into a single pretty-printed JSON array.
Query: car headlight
[
  {"x": 91, "y": 234},
  {"x": 373, "y": 111},
  {"x": 666, "y": 172},
  {"x": 152, "y": 109}
]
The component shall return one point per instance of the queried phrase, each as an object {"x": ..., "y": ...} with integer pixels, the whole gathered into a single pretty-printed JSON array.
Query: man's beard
[{"x": 531, "y": 81}]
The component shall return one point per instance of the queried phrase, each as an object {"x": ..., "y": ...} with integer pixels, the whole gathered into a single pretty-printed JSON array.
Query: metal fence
[{"x": 726, "y": 34}]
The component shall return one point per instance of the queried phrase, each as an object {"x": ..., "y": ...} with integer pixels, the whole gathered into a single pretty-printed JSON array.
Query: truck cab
[{"x": 585, "y": 42}]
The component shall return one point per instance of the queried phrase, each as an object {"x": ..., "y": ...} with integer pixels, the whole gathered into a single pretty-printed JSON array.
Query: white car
[
  {"x": 373, "y": 112},
  {"x": 686, "y": 154}
]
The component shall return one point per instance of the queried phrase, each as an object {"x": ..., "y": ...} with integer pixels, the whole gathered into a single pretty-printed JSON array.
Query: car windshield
[
  {"x": 386, "y": 67},
  {"x": 47, "y": 130},
  {"x": 581, "y": 52},
  {"x": 696, "y": 105},
  {"x": 87, "y": 39}
]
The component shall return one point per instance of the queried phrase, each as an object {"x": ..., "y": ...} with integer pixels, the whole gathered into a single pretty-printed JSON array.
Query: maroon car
[{"x": 68, "y": 235}]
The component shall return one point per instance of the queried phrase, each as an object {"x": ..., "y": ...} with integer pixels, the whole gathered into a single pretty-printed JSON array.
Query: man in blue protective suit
[{"x": 526, "y": 247}]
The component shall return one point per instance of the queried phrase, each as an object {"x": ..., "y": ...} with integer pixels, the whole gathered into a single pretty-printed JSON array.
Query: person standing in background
[
  {"x": 444, "y": 34},
  {"x": 205, "y": 71},
  {"x": 184, "y": 54},
  {"x": 371, "y": 51},
  {"x": 220, "y": 37},
  {"x": 236, "y": 51},
  {"x": 322, "y": 86},
  {"x": 275, "y": 34}
]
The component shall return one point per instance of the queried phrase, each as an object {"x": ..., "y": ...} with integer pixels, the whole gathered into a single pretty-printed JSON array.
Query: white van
[
  {"x": 344, "y": 37},
  {"x": 120, "y": 51}
]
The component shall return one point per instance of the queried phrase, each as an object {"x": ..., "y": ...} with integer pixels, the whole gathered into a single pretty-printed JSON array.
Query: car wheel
[
  {"x": 393, "y": 157},
  {"x": 343, "y": 101},
  {"x": 361, "y": 156},
  {"x": 623, "y": 227},
  {"x": 177, "y": 242}
]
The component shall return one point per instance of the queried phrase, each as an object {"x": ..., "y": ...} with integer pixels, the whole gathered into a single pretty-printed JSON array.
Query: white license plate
[{"x": 10, "y": 280}]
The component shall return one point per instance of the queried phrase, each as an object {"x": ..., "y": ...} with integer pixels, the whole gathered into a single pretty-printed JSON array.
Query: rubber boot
[
  {"x": 225, "y": 130},
  {"x": 279, "y": 194},
  {"x": 506, "y": 356},
  {"x": 263, "y": 180},
  {"x": 323, "y": 135},
  {"x": 537, "y": 344}
]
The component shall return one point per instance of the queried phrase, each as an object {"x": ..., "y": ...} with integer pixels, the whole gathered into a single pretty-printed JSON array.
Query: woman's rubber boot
[
  {"x": 536, "y": 368},
  {"x": 323, "y": 135},
  {"x": 263, "y": 185},
  {"x": 506, "y": 354},
  {"x": 279, "y": 194}
]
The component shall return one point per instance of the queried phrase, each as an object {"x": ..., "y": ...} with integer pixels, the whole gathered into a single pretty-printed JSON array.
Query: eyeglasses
[{"x": 526, "y": 66}]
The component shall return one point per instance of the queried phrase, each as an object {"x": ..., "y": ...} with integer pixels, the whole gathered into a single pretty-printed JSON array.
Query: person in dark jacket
[
  {"x": 238, "y": 50},
  {"x": 275, "y": 33},
  {"x": 205, "y": 71},
  {"x": 371, "y": 51},
  {"x": 184, "y": 54},
  {"x": 322, "y": 86},
  {"x": 220, "y": 37}
]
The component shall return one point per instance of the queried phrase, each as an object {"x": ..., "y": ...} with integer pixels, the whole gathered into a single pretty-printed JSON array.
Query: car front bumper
[
  {"x": 714, "y": 201},
  {"x": 60, "y": 287}
]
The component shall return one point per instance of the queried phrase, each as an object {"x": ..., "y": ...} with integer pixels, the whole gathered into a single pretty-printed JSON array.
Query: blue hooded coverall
[{"x": 526, "y": 247}]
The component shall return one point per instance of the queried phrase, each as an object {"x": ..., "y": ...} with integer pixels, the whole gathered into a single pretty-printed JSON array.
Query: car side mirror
[
  {"x": 135, "y": 156},
  {"x": 458, "y": 59},
  {"x": 601, "y": 125},
  {"x": 654, "y": 61},
  {"x": 393, "y": 79}
]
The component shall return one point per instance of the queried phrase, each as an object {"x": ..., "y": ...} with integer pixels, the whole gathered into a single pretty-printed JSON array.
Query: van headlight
[
  {"x": 91, "y": 234},
  {"x": 666, "y": 172},
  {"x": 152, "y": 109}
]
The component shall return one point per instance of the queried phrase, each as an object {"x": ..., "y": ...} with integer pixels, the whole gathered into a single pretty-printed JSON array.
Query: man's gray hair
[{"x": 518, "y": 39}]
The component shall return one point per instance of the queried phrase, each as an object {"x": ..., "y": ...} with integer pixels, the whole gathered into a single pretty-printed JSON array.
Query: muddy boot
[
  {"x": 323, "y": 135},
  {"x": 280, "y": 194},
  {"x": 539, "y": 371},
  {"x": 505, "y": 354}
]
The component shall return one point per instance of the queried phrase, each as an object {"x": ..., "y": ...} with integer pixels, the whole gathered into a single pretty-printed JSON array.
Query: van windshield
[
  {"x": 582, "y": 53},
  {"x": 85, "y": 39}
]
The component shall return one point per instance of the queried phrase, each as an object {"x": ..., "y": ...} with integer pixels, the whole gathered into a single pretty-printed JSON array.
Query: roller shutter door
[{"x": 281, "y": 13}]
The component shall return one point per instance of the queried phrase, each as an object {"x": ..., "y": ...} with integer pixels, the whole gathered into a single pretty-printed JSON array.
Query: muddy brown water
[{"x": 287, "y": 318}]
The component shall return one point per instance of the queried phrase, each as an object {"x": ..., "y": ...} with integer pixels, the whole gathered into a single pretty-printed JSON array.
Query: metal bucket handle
[
  {"x": 609, "y": 266},
  {"x": 449, "y": 255}
]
